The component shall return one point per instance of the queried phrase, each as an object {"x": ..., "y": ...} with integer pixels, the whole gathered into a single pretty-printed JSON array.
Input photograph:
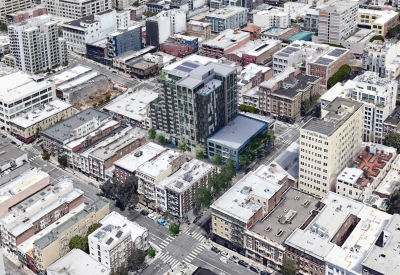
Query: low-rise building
[
  {"x": 77, "y": 126},
  {"x": 176, "y": 193},
  {"x": 122, "y": 61},
  {"x": 27, "y": 127},
  {"x": 180, "y": 45},
  {"x": 127, "y": 166},
  {"x": 53, "y": 245},
  {"x": 143, "y": 69},
  {"x": 231, "y": 17},
  {"x": 77, "y": 9},
  {"x": 391, "y": 182},
  {"x": 24, "y": 14},
  {"x": 232, "y": 140},
  {"x": 224, "y": 43},
  {"x": 251, "y": 76},
  {"x": 379, "y": 21},
  {"x": 134, "y": 108},
  {"x": 358, "y": 41},
  {"x": 272, "y": 18},
  {"x": 279, "y": 34},
  {"x": 256, "y": 52},
  {"x": 77, "y": 262},
  {"x": 392, "y": 123},
  {"x": 363, "y": 175},
  {"x": 199, "y": 29},
  {"x": 247, "y": 202},
  {"x": 254, "y": 30},
  {"x": 250, "y": 97},
  {"x": 4, "y": 45}
]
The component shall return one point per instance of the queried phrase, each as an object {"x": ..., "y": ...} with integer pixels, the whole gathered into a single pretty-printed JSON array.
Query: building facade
[
  {"x": 231, "y": 17},
  {"x": 381, "y": 57},
  {"x": 8, "y": 7},
  {"x": 180, "y": 45},
  {"x": 199, "y": 29},
  {"x": 379, "y": 21},
  {"x": 272, "y": 18},
  {"x": 124, "y": 40},
  {"x": 77, "y": 9}
]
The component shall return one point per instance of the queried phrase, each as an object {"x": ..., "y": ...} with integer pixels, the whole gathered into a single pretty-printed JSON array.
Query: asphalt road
[{"x": 116, "y": 77}]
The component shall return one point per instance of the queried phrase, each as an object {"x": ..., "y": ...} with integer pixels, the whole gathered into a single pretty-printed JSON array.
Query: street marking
[
  {"x": 222, "y": 271},
  {"x": 87, "y": 198}
]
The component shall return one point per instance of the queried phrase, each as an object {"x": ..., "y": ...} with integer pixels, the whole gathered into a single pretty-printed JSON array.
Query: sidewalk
[{"x": 14, "y": 259}]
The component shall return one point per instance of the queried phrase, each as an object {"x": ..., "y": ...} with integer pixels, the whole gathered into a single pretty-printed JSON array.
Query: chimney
[
  {"x": 272, "y": 168},
  {"x": 235, "y": 31}
]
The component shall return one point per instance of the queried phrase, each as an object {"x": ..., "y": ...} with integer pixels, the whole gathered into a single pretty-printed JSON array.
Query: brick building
[
  {"x": 226, "y": 42},
  {"x": 180, "y": 45},
  {"x": 254, "y": 30},
  {"x": 142, "y": 69},
  {"x": 199, "y": 29}
]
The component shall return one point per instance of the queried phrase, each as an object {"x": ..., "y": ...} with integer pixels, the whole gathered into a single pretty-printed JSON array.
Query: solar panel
[
  {"x": 323, "y": 61},
  {"x": 296, "y": 45},
  {"x": 99, "y": 234},
  {"x": 336, "y": 52},
  {"x": 119, "y": 234},
  {"x": 185, "y": 69},
  {"x": 191, "y": 65},
  {"x": 282, "y": 54},
  {"x": 109, "y": 241},
  {"x": 108, "y": 227}
]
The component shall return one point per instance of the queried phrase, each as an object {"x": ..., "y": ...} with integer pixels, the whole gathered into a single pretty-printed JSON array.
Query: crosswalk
[
  {"x": 168, "y": 259},
  {"x": 32, "y": 158},
  {"x": 196, "y": 235},
  {"x": 189, "y": 258},
  {"x": 166, "y": 242},
  {"x": 286, "y": 141}
]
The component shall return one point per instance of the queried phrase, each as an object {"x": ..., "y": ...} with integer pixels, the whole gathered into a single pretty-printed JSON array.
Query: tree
[
  {"x": 77, "y": 242},
  {"x": 3, "y": 27},
  {"x": 91, "y": 229},
  {"x": 161, "y": 139},
  {"x": 167, "y": 215},
  {"x": 136, "y": 4},
  {"x": 174, "y": 229},
  {"x": 63, "y": 160},
  {"x": 182, "y": 146},
  {"x": 392, "y": 140},
  {"x": 151, "y": 253},
  {"x": 124, "y": 192},
  {"x": 108, "y": 96},
  {"x": 217, "y": 159},
  {"x": 246, "y": 108},
  {"x": 288, "y": 267},
  {"x": 136, "y": 259},
  {"x": 340, "y": 75},
  {"x": 122, "y": 270},
  {"x": 95, "y": 105},
  {"x": 200, "y": 151},
  {"x": 101, "y": 101},
  {"x": 152, "y": 134},
  {"x": 377, "y": 37},
  {"x": 203, "y": 197},
  {"x": 46, "y": 156}
]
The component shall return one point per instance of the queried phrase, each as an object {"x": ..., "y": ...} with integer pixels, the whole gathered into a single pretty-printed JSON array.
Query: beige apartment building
[
  {"x": 27, "y": 127},
  {"x": 328, "y": 143},
  {"x": 55, "y": 244}
]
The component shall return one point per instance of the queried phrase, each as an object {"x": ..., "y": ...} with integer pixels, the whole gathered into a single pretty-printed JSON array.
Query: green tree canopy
[
  {"x": 63, "y": 160},
  {"x": 392, "y": 140},
  {"x": 136, "y": 259},
  {"x": 46, "y": 156},
  {"x": 200, "y": 151},
  {"x": 151, "y": 253},
  {"x": 174, "y": 229},
  {"x": 152, "y": 134},
  {"x": 246, "y": 108},
  {"x": 377, "y": 37},
  {"x": 160, "y": 138},
  {"x": 77, "y": 242},
  {"x": 288, "y": 267},
  {"x": 92, "y": 228},
  {"x": 203, "y": 196},
  {"x": 340, "y": 75},
  {"x": 217, "y": 159},
  {"x": 136, "y": 4},
  {"x": 182, "y": 146}
]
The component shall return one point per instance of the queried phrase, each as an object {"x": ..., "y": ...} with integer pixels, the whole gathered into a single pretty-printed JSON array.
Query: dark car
[
  {"x": 243, "y": 263},
  {"x": 247, "y": 170},
  {"x": 196, "y": 219},
  {"x": 255, "y": 269},
  {"x": 216, "y": 250},
  {"x": 144, "y": 212},
  {"x": 264, "y": 273}
]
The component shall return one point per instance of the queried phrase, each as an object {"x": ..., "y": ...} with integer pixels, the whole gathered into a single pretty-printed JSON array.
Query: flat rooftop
[
  {"x": 125, "y": 57},
  {"x": 110, "y": 235},
  {"x": 40, "y": 113},
  {"x": 61, "y": 131},
  {"x": 383, "y": 16},
  {"x": 239, "y": 202},
  {"x": 334, "y": 116},
  {"x": 77, "y": 262},
  {"x": 117, "y": 219},
  {"x": 140, "y": 156},
  {"x": 143, "y": 65},
  {"x": 315, "y": 238},
  {"x": 69, "y": 74},
  {"x": 337, "y": 5},
  {"x": 134, "y": 105},
  {"x": 226, "y": 12},
  {"x": 289, "y": 159},
  {"x": 390, "y": 183},
  {"x": 276, "y": 78},
  {"x": 238, "y": 131},
  {"x": 290, "y": 213},
  {"x": 227, "y": 39},
  {"x": 295, "y": 85},
  {"x": 156, "y": 166},
  {"x": 9, "y": 152},
  {"x": 192, "y": 72}
]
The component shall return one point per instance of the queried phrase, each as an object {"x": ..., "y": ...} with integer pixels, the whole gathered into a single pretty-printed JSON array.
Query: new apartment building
[
  {"x": 89, "y": 29},
  {"x": 247, "y": 202},
  {"x": 379, "y": 21},
  {"x": 27, "y": 126},
  {"x": 231, "y": 17},
  {"x": 328, "y": 143},
  {"x": 337, "y": 20},
  {"x": 196, "y": 99},
  {"x": 163, "y": 25},
  {"x": 378, "y": 96},
  {"x": 124, "y": 40},
  {"x": 35, "y": 45},
  {"x": 20, "y": 93},
  {"x": 176, "y": 193},
  {"x": 13, "y": 6},
  {"x": 77, "y": 9},
  {"x": 54, "y": 245},
  {"x": 272, "y": 18}
]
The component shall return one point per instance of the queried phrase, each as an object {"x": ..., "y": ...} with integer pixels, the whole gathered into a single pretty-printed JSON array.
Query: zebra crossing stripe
[{"x": 198, "y": 250}]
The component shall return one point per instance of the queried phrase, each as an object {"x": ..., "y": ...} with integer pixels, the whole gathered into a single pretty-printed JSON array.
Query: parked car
[
  {"x": 234, "y": 259},
  {"x": 162, "y": 222},
  {"x": 216, "y": 250},
  {"x": 224, "y": 254},
  {"x": 243, "y": 263},
  {"x": 265, "y": 273},
  {"x": 144, "y": 213},
  {"x": 151, "y": 216},
  {"x": 254, "y": 268},
  {"x": 137, "y": 208},
  {"x": 196, "y": 219}
]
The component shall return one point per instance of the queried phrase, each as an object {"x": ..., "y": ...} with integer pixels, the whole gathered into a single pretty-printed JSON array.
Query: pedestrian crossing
[
  {"x": 32, "y": 158},
  {"x": 168, "y": 259},
  {"x": 286, "y": 141},
  {"x": 166, "y": 242},
  {"x": 189, "y": 258},
  {"x": 196, "y": 235}
]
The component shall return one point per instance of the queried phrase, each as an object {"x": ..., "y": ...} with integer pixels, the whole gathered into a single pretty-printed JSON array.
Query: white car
[
  {"x": 224, "y": 254},
  {"x": 151, "y": 216},
  {"x": 137, "y": 208}
]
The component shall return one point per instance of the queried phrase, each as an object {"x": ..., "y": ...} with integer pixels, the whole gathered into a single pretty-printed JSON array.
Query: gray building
[
  {"x": 227, "y": 18},
  {"x": 122, "y": 41},
  {"x": 196, "y": 100}
]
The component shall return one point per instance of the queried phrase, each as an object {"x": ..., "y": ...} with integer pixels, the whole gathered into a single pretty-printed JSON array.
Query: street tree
[
  {"x": 203, "y": 197},
  {"x": 174, "y": 229},
  {"x": 182, "y": 146},
  {"x": 77, "y": 242},
  {"x": 288, "y": 267},
  {"x": 91, "y": 229},
  {"x": 63, "y": 160},
  {"x": 136, "y": 259},
  {"x": 217, "y": 159},
  {"x": 152, "y": 134},
  {"x": 46, "y": 156},
  {"x": 200, "y": 151},
  {"x": 151, "y": 253},
  {"x": 161, "y": 139}
]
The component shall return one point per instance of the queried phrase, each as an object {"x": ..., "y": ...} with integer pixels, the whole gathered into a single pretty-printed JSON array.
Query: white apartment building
[
  {"x": 381, "y": 57},
  {"x": 35, "y": 45},
  {"x": 337, "y": 20},
  {"x": 78, "y": 8},
  {"x": 110, "y": 245},
  {"x": 7, "y": 7},
  {"x": 231, "y": 17},
  {"x": 328, "y": 143},
  {"x": 89, "y": 29},
  {"x": 379, "y": 98},
  {"x": 124, "y": 19},
  {"x": 20, "y": 93},
  {"x": 272, "y": 18}
]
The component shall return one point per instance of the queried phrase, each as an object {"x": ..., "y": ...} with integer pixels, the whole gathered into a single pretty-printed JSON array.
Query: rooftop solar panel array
[
  {"x": 184, "y": 69},
  {"x": 336, "y": 52},
  {"x": 323, "y": 61},
  {"x": 282, "y": 54},
  {"x": 191, "y": 65},
  {"x": 108, "y": 227},
  {"x": 99, "y": 234},
  {"x": 119, "y": 234},
  {"x": 109, "y": 241}
]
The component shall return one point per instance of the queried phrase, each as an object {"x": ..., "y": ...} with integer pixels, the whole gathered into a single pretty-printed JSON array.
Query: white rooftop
[
  {"x": 154, "y": 167},
  {"x": 350, "y": 175},
  {"x": 40, "y": 113},
  {"x": 226, "y": 12},
  {"x": 251, "y": 70},
  {"x": 315, "y": 239},
  {"x": 148, "y": 151},
  {"x": 237, "y": 132},
  {"x": 383, "y": 16},
  {"x": 77, "y": 262},
  {"x": 117, "y": 219},
  {"x": 240, "y": 201},
  {"x": 273, "y": 172},
  {"x": 70, "y": 73},
  {"x": 227, "y": 39},
  {"x": 79, "y": 80},
  {"x": 279, "y": 77},
  {"x": 110, "y": 235},
  {"x": 134, "y": 105},
  {"x": 194, "y": 58}
]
